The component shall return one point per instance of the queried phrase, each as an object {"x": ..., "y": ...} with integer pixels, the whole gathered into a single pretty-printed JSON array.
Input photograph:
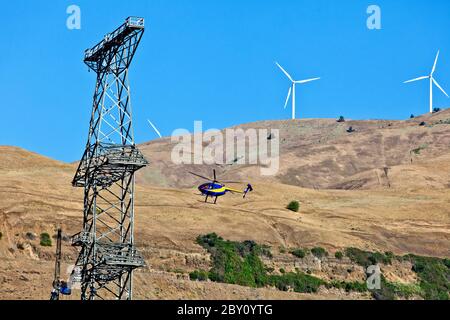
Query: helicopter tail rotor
[{"x": 248, "y": 189}]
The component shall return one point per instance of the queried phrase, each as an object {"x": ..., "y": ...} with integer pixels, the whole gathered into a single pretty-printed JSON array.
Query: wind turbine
[
  {"x": 432, "y": 80},
  {"x": 292, "y": 88},
  {"x": 154, "y": 128}
]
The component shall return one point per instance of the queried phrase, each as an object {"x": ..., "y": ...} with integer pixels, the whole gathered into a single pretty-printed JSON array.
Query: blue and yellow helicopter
[{"x": 215, "y": 189}]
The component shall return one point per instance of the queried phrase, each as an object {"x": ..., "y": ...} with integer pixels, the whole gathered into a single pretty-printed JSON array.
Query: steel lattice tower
[{"x": 106, "y": 172}]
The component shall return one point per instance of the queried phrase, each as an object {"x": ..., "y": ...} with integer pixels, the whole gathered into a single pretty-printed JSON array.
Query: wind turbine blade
[
  {"x": 154, "y": 128},
  {"x": 417, "y": 79},
  {"x": 435, "y": 63},
  {"x": 284, "y": 71},
  {"x": 307, "y": 80},
  {"x": 437, "y": 85},
  {"x": 288, "y": 96}
]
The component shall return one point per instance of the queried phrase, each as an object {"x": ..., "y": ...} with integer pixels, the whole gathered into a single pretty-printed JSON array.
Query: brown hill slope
[
  {"x": 411, "y": 216},
  {"x": 321, "y": 154}
]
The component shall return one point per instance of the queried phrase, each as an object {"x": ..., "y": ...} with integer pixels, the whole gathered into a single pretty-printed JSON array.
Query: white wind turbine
[
  {"x": 154, "y": 128},
  {"x": 292, "y": 88},
  {"x": 432, "y": 80}
]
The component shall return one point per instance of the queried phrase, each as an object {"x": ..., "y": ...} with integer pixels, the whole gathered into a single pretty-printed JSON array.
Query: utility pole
[{"x": 106, "y": 172}]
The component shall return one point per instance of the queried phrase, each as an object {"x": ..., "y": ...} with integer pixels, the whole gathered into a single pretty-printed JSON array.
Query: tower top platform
[{"x": 130, "y": 25}]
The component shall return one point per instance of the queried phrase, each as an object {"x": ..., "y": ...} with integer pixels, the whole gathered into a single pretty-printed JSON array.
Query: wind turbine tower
[
  {"x": 432, "y": 81},
  {"x": 292, "y": 88}
]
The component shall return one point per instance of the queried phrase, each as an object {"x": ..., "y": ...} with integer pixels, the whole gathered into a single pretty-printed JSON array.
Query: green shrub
[
  {"x": 46, "y": 241},
  {"x": 299, "y": 282},
  {"x": 240, "y": 263},
  {"x": 319, "y": 252},
  {"x": 293, "y": 206},
  {"x": 419, "y": 149},
  {"x": 199, "y": 275},
  {"x": 235, "y": 262},
  {"x": 445, "y": 261},
  {"x": 282, "y": 250},
  {"x": 434, "y": 276},
  {"x": 393, "y": 290},
  {"x": 339, "y": 255},
  {"x": 406, "y": 290},
  {"x": 366, "y": 258},
  {"x": 299, "y": 253}
]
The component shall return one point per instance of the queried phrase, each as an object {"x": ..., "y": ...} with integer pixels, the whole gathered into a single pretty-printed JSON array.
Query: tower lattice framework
[{"x": 108, "y": 256}]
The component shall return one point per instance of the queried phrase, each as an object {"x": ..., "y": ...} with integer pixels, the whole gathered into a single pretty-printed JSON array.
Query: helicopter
[{"x": 216, "y": 189}]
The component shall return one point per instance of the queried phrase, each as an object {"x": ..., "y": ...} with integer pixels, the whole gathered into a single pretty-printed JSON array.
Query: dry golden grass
[{"x": 405, "y": 212}]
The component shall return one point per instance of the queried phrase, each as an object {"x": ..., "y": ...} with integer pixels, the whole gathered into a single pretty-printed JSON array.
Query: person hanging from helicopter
[{"x": 216, "y": 189}]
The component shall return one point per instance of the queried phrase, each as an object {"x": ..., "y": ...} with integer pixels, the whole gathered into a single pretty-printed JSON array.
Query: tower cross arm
[{"x": 131, "y": 25}]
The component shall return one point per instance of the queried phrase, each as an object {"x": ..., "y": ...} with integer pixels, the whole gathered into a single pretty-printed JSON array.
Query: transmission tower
[{"x": 108, "y": 256}]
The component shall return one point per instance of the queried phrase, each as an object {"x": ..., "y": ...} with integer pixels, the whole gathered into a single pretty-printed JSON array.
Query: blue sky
[{"x": 214, "y": 61}]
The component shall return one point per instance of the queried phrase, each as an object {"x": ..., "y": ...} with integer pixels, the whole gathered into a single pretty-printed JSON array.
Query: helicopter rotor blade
[{"x": 197, "y": 175}]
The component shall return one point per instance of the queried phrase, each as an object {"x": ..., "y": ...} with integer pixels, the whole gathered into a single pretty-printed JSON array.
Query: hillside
[
  {"x": 320, "y": 154},
  {"x": 346, "y": 200}
]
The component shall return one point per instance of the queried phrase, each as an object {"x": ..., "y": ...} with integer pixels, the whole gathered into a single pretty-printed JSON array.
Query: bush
[
  {"x": 341, "y": 119},
  {"x": 434, "y": 276},
  {"x": 319, "y": 252},
  {"x": 240, "y": 263},
  {"x": 293, "y": 206},
  {"x": 299, "y": 282},
  {"x": 419, "y": 149},
  {"x": 46, "y": 241},
  {"x": 235, "y": 262},
  {"x": 366, "y": 258},
  {"x": 198, "y": 275},
  {"x": 339, "y": 255},
  {"x": 299, "y": 253},
  {"x": 423, "y": 123},
  {"x": 392, "y": 290},
  {"x": 446, "y": 261},
  {"x": 1, "y": 235},
  {"x": 412, "y": 116},
  {"x": 436, "y": 110}
]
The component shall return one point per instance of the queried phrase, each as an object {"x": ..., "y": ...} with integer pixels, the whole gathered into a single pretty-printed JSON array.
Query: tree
[
  {"x": 46, "y": 241},
  {"x": 341, "y": 119},
  {"x": 299, "y": 253},
  {"x": 436, "y": 110},
  {"x": 339, "y": 255}
]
